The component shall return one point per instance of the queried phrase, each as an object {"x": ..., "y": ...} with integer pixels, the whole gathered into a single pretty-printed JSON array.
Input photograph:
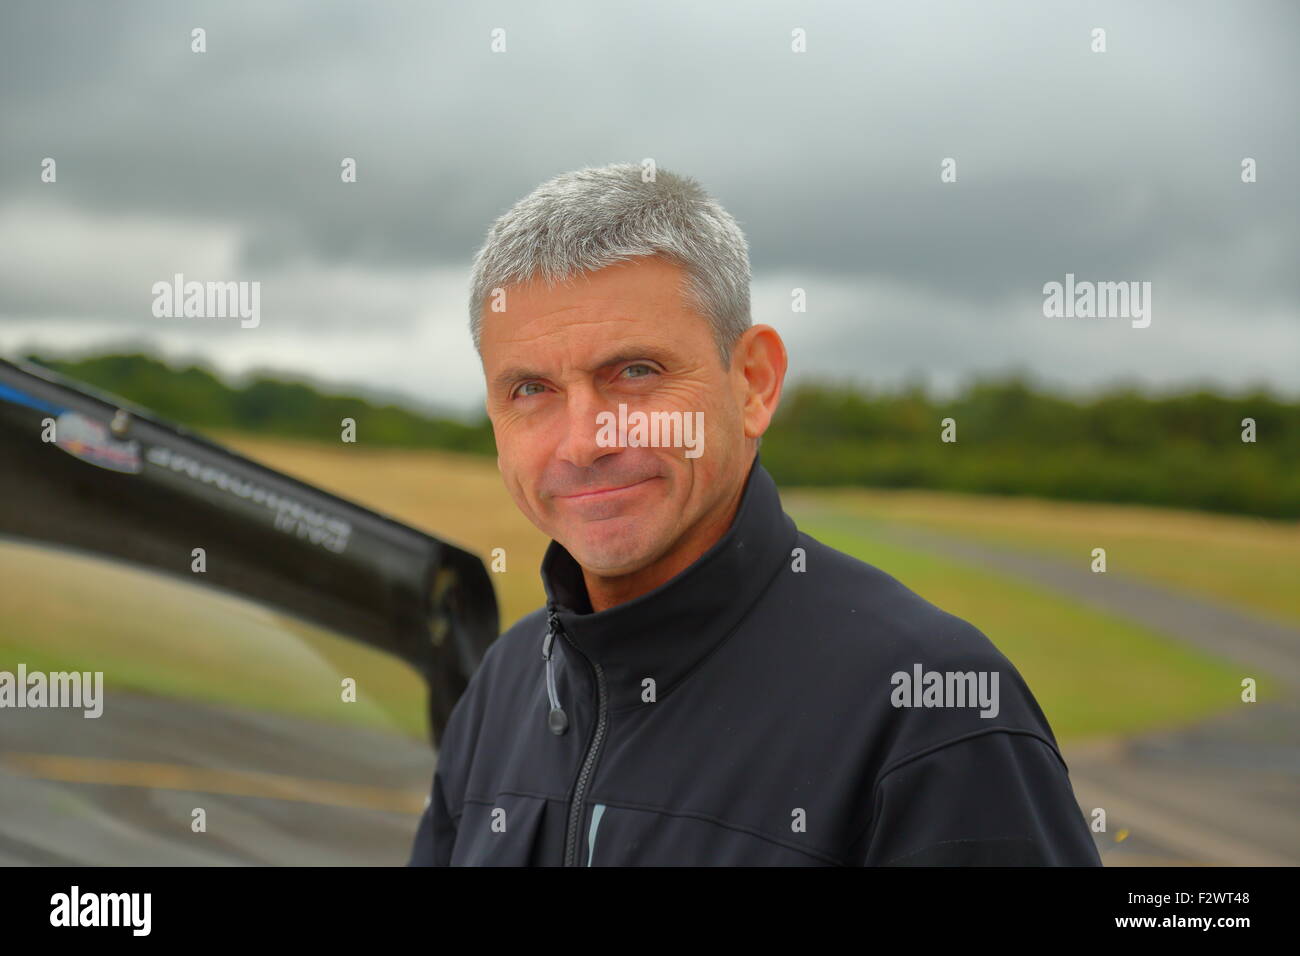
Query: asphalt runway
[{"x": 121, "y": 789}]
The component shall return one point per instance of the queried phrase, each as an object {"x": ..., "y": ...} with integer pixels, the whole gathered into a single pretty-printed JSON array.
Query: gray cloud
[{"x": 1121, "y": 165}]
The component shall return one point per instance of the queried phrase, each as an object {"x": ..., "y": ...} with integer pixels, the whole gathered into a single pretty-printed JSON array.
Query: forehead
[{"x": 642, "y": 299}]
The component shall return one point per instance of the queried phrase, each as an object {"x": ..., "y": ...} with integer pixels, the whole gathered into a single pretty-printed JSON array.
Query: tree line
[{"x": 1006, "y": 436}]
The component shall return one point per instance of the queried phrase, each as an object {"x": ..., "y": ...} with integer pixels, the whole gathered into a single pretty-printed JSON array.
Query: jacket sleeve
[
  {"x": 999, "y": 798},
  {"x": 437, "y": 830},
  {"x": 435, "y": 835}
]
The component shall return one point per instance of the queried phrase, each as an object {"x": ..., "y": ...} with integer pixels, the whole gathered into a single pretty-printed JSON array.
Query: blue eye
[
  {"x": 521, "y": 393},
  {"x": 647, "y": 368}
]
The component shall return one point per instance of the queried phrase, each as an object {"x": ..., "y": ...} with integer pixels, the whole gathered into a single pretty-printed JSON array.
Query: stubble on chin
[{"x": 608, "y": 552}]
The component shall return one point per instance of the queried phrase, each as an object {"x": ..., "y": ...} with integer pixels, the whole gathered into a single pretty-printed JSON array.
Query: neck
[{"x": 606, "y": 592}]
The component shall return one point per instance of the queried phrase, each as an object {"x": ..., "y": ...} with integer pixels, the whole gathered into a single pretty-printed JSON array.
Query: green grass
[
  {"x": 158, "y": 635},
  {"x": 1251, "y": 564},
  {"x": 1092, "y": 673}
]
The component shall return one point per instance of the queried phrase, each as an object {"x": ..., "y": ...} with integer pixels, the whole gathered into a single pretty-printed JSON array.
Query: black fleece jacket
[{"x": 776, "y": 703}]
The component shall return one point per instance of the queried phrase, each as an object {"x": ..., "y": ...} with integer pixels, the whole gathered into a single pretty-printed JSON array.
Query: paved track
[{"x": 120, "y": 789}]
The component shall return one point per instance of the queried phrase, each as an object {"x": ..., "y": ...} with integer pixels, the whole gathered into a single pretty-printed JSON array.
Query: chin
[{"x": 610, "y": 551}]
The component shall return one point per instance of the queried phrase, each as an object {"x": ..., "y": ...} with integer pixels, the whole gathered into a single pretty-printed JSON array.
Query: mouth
[{"x": 600, "y": 494}]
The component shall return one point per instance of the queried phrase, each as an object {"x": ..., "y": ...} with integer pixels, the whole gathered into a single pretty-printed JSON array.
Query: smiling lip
[{"x": 602, "y": 492}]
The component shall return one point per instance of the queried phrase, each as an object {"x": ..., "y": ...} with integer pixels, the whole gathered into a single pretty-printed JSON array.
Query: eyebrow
[{"x": 512, "y": 376}]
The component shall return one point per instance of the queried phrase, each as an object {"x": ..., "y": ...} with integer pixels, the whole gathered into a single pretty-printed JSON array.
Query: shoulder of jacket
[
  {"x": 869, "y": 609},
  {"x": 890, "y": 644}
]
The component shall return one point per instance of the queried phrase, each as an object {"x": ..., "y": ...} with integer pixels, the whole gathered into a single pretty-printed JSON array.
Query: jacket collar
[{"x": 665, "y": 633}]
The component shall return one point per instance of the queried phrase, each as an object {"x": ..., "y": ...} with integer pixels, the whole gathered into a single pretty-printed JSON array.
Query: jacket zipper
[{"x": 589, "y": 760}]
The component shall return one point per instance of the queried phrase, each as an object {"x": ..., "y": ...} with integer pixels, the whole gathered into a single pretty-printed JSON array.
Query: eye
[
  {"x": 640, "y": 367},
  {"x": 522, "y": 390}
]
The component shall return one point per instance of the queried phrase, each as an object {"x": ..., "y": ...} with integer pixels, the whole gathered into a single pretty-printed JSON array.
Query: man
[{"x": 706, "y": 684}]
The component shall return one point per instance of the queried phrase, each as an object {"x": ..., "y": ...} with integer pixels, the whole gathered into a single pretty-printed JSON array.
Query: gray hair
[{"x": 591, "y": 218}]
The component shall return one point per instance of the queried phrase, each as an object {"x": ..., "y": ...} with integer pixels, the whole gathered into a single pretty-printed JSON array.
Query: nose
[{"x": 581, "y": 428}]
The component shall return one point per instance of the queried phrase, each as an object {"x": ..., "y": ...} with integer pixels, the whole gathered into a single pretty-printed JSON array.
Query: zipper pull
[{"x": 556, "y": 720}]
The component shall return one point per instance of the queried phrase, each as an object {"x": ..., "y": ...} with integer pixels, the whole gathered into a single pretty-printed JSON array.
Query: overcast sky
[{"x": 224, "y": 165}]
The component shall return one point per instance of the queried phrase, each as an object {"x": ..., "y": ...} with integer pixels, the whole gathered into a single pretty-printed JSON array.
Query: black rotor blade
[{"x": 120, "y": 483}]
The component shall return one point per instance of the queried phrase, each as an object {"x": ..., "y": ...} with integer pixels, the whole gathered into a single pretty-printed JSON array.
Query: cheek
[
  {"x": 513, "y": 445},
  {"x": 522, "y": 462},
  {"x": 724, "y": 427},
  {"x": 520, "y": 486}
]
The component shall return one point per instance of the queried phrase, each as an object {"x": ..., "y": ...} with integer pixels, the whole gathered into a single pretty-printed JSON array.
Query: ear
[{"x": 758, "y": 365}]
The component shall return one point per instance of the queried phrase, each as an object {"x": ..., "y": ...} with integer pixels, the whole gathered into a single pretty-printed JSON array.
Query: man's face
[{"x": 557, "y": 358}]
